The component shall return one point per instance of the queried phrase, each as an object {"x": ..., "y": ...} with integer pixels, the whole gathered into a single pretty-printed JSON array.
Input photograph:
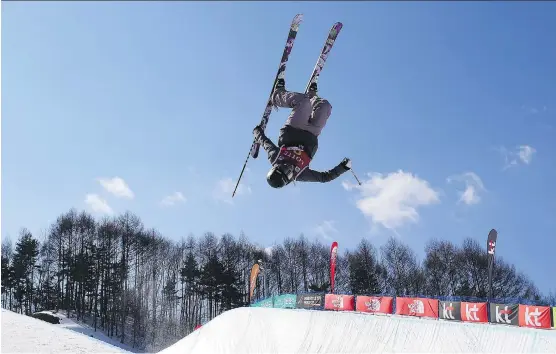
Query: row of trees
[{"x": 132, "y": 283}]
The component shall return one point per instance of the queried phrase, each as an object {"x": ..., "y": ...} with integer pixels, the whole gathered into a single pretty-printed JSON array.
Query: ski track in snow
[
  {"x": 24, "y": 334},
  {"x": 268, "y": 330}
]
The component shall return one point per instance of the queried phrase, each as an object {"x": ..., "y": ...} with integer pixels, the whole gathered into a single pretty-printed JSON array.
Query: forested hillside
[{"x": 149, "y": 291}]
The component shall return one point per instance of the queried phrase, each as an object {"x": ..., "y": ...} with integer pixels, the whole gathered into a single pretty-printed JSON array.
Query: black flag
[{"x": 491, "y": 246}]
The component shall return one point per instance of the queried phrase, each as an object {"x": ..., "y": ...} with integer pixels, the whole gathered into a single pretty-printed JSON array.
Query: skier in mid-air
[{"x": 298, "y": 140}]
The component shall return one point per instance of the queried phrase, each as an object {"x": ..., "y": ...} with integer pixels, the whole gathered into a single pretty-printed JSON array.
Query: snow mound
[
  {"x": 267, "y": 330},
  {"x": 24, "y": 334}
]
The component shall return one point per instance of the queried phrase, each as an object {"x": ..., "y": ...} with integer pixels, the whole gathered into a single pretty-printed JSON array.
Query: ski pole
[
  {"x": 243, "y": 169},
  {"x": 357, "y": 179}
]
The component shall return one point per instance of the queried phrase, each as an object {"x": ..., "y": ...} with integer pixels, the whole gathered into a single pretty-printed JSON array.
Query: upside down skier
[{"x": 298, "y": 140}]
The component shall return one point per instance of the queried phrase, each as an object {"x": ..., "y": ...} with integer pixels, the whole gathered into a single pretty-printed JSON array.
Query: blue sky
[{"x": 446, "y": 109}]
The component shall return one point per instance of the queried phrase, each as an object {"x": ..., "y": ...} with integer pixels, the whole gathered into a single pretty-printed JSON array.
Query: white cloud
[
  {"x": 525, "y": 153},
  {"x": 97, "y": 204},
  {"x": 473, "y": 187},
  {"x": 325, "y": 229},
  {"x": 393, "y": 200},
  {"x": 117, "y": 186},
  {"x": 225, "y": 187},
  {"x": 521, "y": 154},
  {"x": 173, "y": 199}
]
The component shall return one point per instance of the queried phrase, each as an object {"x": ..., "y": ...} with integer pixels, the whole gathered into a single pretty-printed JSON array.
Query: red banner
[
  {"x": 333, "y": 256},
  {"x": 374, "y": 304},
  {"x": 534, "y": 316},
  {"x": 416, "y": 306},
  {"x": 474, "y": 312},
  {"x": 339, "y": 302}
]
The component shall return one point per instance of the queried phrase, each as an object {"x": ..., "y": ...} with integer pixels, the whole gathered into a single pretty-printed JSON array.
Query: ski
[
  {"x": 292, "y": 34},
  {"x": 294, "y": 27},
  {"x": 330, "y": 40}
]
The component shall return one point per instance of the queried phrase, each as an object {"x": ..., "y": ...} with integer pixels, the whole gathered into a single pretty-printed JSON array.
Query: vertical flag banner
[
  {"x": 253, "y": 280},
  {"x": 491, "y": 246},
  {"x": 333, "y": 257}
]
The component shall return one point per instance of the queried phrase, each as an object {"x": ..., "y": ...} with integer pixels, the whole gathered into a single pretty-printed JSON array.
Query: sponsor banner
[
  {"x": 286, "y": 301},
  {"x": 310, "y": 301},
  {"x": 449, "y": 310},
  {"x": 339, "y": 302},
  {"x": 374, "y": 304},
  {"x": 263, "y": 303},
  {"x": 534, "y": 316},
  {"x": 420, "y": 307},
  {"x": 474, "y": 312},
  {"x": 504, "y": 314}
]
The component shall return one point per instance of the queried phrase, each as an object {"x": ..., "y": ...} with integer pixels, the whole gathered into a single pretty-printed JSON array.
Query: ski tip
[{"x": 298, "y": 18}]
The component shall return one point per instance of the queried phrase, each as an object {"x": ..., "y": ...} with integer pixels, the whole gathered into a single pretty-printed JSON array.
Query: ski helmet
[{"x": 279, "y": 175}]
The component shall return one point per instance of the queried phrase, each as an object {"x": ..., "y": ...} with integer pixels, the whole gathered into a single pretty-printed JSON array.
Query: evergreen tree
[{"x": 24, "y": 263}]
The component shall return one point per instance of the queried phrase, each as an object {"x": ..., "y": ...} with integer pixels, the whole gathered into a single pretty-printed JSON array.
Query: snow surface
[
  {"x": 267, "y": 330},
  {"x": 84, "y": 328},
  {"x": 24, "y": 334}
]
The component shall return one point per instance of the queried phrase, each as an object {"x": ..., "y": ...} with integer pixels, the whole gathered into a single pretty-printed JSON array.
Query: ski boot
[
  {"x": 313, "y": 89},
  {"x": 280, "y": 84}
]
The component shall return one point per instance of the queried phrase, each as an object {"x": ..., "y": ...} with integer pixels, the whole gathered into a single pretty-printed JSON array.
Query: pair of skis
[{"x": 294, "y": 28}]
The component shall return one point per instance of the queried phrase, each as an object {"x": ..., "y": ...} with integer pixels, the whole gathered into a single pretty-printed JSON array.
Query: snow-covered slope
[
  {"x": 24, "y": 334},
  {"x": 80, "y": 327},
  {"x": 268, "y": 330}
]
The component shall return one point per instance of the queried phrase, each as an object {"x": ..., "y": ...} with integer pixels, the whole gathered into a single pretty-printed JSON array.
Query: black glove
[
  {"x": 346, "y": 163},
  {"x": 258, "y": 132}
]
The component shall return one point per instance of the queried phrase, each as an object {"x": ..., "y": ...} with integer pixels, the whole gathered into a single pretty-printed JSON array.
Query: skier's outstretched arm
[
  {"x": 267, "y": 144},
  {"x": 315, "y": 176}
]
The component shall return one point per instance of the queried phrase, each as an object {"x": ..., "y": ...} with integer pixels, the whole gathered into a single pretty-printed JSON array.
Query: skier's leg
[
  {"x": 301, "y": 112},
  {"x": 288, "y": 99},
  {"x": 284, "y": 98},
  {"x": 321, "y": 110},
  {"x": 300, "y": 104}
]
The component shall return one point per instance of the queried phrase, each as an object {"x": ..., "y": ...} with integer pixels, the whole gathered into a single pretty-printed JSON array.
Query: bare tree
[
  {"x": 402, "y": 271},
  {"x": 364, "y": 269},
  {"x": 442, "y": 268}
]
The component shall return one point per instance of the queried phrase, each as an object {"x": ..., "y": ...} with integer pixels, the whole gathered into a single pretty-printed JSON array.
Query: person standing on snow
[{"x": 298, "y": 140}]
